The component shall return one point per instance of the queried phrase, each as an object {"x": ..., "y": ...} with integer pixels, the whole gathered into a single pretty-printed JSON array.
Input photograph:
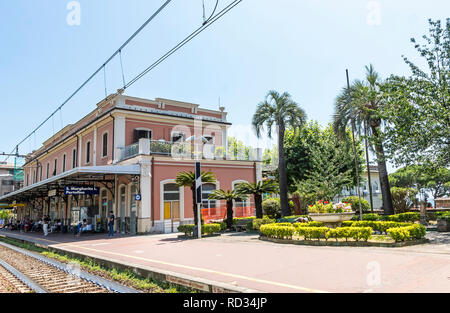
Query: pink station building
[{"x": 124, "y": 157}]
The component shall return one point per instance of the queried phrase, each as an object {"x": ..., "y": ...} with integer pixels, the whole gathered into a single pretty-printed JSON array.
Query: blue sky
[{"x": 302, "y": 47}]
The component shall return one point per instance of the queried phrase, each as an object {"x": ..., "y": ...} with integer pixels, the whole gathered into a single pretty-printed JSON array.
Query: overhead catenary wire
[
  {"x": 194, "y": 34},
  {"x": 95, "y": 73}
]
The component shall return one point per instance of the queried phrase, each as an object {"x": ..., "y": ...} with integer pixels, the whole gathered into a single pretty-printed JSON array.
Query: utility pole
[{"x": 354, "y": 148}]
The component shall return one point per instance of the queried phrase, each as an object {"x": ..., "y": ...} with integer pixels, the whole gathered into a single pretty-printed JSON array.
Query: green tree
[
  {"x": 280, "y": 111},
  {"x": 238, "y": 150},
  {"x": 425, "y": 178},
  {"x": 257, "y": 190},
  {"x": 300, "y": 147},
  {"x": 229, "y": 197},
  {"x": 329, "y": 173},
  {"x": 365, "y": 108},
  {"x": 187, "y": 179},
  {"x": 418, "y": 115}
]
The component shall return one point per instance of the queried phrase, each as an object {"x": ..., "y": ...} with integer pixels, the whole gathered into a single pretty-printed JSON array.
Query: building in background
[
  {"x": 6, "y": 178},
  {"x": 124, "y": 157},
  {"x": 376, "y": 189}
]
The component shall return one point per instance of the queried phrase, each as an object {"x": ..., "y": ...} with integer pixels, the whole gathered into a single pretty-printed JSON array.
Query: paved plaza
[{"x": 241, "y": 260}]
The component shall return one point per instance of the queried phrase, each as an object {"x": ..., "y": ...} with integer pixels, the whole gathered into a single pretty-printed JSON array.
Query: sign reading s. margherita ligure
[{"x": 76, "y": 191}]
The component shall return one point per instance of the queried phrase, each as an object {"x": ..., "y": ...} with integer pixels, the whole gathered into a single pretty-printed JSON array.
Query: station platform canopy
[{"x": 74, "y": 177}]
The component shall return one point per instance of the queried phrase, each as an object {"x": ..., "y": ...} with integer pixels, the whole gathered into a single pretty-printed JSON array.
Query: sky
[{"x": 302, "y": 47}]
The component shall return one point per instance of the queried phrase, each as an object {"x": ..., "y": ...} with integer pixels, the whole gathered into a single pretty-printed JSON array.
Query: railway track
[{"x": 22, "y": 271}]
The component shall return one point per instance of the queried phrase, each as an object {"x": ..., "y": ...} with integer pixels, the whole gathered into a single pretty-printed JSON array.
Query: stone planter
[
  {"x": 331, "y": 220},
  {"x": 443, "y": 225}
]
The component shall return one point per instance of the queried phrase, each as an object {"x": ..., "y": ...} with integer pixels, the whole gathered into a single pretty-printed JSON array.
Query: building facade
[
  {"x": 6, "y": 178},
  {"x": 124, "y": 157},
  {"x": 376, "y": 189}
]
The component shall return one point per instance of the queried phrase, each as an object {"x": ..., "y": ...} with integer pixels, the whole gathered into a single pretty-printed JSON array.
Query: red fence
[{"x": 221, "y": 213}]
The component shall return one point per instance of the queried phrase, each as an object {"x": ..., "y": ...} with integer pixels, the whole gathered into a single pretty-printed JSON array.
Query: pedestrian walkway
[{"x": 242, "y": 262}]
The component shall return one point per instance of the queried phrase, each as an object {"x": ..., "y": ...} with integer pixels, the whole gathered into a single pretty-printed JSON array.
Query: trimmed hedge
[
  {"x": 276, "y": 231},
  {"x": 207, "y": 229},
  {"x": 376, "y": 225},
  {"x": 309, "y": 233},
  {"x": 415, "y": 231},
  {"x": 309, "y": 224},
  {"x": 356, "y": 230},
  {"x": 402, "y": 217}
]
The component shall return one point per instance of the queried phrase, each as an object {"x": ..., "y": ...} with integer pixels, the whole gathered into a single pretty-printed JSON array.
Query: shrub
[
  {"x": 417, "y": 231},
  {"x": 186, "y": 229},
  {"x": 223, "y": 226},
  {"x": 206, "y": 229},
  {"x": 276, "y": 231},
  {"x": 399, "y": 233},
  {"x": 309, "y": 224},
  {"x": 272, "y": 207},
  {"x": 405, "y": 217},
  {"x": 211, "y": 228},
  {"x": 256, "y": 225},
  {"x": 354, "y": 202},
  {"x": 381, "y": 226},
  {"x": 312, "y": 232},
  {"x": 371, "y": 217},
  {"x": 403, "y": 199},
  {"x": 443, "y": 215}
]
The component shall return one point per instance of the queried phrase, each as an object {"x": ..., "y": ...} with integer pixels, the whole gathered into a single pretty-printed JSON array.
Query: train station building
[{"x": 124, "y": 157}]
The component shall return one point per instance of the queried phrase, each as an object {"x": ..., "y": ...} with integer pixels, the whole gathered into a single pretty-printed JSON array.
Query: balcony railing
[{"x": 185, "y": 151}]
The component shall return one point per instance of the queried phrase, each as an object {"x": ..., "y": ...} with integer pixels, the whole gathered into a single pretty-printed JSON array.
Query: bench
[{"x": 241, "y": 225}]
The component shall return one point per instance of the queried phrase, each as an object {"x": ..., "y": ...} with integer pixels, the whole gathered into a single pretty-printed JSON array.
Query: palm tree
[
  {"x": 257, "y": 190},
  {"x": 229, "y": 197},
  {"x": 280, "y": 111},
  {"x": 187, "y": 179},
  {"x": 366, "y": 102}
]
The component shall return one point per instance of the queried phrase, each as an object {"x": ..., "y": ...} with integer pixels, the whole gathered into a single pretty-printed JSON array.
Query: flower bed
[{"x": 354, "y": 231}]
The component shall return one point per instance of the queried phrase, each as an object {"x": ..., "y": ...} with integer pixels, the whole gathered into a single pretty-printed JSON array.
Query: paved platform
[{"x": 248, "y": 264}]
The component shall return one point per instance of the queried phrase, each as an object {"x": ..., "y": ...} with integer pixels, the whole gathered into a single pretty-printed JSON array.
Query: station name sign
[{"x": 79, "y": 191}]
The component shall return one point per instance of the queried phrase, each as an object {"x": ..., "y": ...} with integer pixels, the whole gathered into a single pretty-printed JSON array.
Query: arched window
[
  {"x": 207, "y": 189},
  {"x": 171, "y": 202}
]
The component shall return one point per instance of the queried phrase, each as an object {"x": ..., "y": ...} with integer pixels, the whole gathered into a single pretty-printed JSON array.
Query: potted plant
[{"x": 332, "y": 215}]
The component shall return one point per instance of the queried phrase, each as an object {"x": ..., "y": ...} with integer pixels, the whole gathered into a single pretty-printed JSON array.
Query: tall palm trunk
[
  {"x": 382, "y": 170},
  {"x": 368, "y": 167},
  {"x": 229, "y": 213},
  {"x": 258, "y": 205},
  {"x": 285, "y": 210}
]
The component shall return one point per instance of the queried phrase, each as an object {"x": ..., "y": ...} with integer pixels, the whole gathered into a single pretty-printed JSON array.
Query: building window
[
  {"x": 40, "y": 172},
  {"x": 88, "y": 152},
  {"x": 105, "y": 145},
  {"x": 55, "y": 168},
  {"x": 28, "y": 176},
  {"x": 74, "y": 158},
  {"x": 171, "y": 201},
  {"x": 64, "y": 163},
  {"x": 207, "y": 189},
  {"x": 48, "y": 170},
  {"x": 141, "y": 133}
]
